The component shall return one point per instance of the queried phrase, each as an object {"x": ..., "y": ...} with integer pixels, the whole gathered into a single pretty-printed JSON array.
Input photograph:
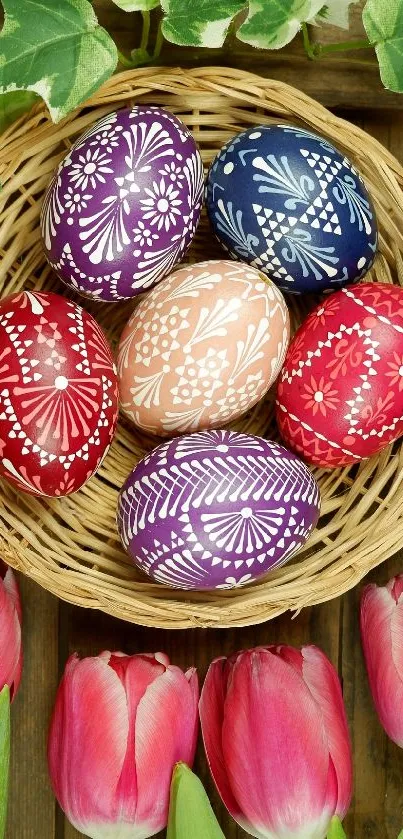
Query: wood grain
[{"x": 31, "y": 804}]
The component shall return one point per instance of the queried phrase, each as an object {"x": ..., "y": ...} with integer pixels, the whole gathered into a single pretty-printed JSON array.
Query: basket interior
[{"x": 70, "y": 545}]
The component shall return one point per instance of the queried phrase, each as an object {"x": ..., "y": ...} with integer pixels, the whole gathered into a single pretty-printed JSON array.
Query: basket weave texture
[{"x": 70, "y": 546}]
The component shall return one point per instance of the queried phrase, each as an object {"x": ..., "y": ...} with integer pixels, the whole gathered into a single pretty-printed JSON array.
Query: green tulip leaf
[
  {"x": 336, "y": 830},
  {"x": 4, "y": 755},
  {"x": 273, "y": 25},
  {"x": 56, "y": 49},
  {"x": 137, "y": 5},
  {"x": 199, "y": 23},
  {"x": 13, "y": 105},
  {"x": 383, "y": 23},
  {"x": 190, "y": 812}
]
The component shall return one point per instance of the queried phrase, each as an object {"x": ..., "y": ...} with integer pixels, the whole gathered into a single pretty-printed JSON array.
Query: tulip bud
[
  {"x": 277, "y": 742},
  {"x": 119, "y": 726},
  {"x": 10, "y": 631},
  {"x": 381, "y": 619}
]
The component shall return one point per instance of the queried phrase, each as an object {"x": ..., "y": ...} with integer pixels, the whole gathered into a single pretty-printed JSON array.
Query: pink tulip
[
  {"x": 382, "y": 641},
  {"x": 119, "y": 726},
  {"x": 10, "y": 631},
  {"x": 276, "y": 738}
]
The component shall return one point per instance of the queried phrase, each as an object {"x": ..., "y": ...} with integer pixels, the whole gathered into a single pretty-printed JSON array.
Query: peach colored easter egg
[{"x": 202, "y": 348}]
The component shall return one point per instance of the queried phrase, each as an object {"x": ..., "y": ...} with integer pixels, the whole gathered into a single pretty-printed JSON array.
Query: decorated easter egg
[
  {"x": 292, "y": 205},
  {"x": 340, "y": 394},
  {"x": 124, "y": 203},
  {"x": 202, "y": 347},
  {"x": 58, "y": 393},
  {"x": 216, "y": 509}
]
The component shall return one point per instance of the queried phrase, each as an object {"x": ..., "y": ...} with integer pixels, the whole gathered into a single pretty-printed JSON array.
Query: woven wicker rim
[{"x": 70, "y": 546}]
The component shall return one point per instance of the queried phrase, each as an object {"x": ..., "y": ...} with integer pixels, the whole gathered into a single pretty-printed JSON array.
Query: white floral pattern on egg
[
  {"x": 124, "y": 204},
  {"x": 202, "y": 348}
]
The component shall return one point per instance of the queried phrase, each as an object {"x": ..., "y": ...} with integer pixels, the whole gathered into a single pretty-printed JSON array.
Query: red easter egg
[
  {"x": 340, "y": 393},
  {"x": 58, "y": 393}
]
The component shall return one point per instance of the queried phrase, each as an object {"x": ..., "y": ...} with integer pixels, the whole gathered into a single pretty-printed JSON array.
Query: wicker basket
[{"x": 70, "y": 545}]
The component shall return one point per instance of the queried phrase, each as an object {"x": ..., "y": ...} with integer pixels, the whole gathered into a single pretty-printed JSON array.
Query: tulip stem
[{"x": 4, "y": 755}]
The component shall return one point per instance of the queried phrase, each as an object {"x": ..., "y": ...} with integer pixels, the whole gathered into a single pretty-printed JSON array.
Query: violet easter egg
[
  {"x": 124, "y": 204},
  {"x": 58, "y": 393},
  {"x": 340, "y": 394},
  {"x": 291, "y": 204},
  {"x": 216, "y": 509},
  {"x": 202, "y": 348}
]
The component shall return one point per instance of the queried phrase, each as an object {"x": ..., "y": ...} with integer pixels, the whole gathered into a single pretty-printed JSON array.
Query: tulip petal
[
  {"x": 193, "y": 682},
  {"x": 323, "y": 682},
  {"x": 211, "y": 709},
  {"x": 165, "y": 734},
  {"x": 290, "y": 654},
  {"x": 11, "y": 586},
  {"x": 10, "y": 634},
  {"x": 395, "y": 586},
  {"x": 136, "y": 674},
  {"x": 162, "y": 658},
  {"x": 382, "y": 640},
  {"x": 87, "y": 741},
  {"x": 275, "y": 748}
]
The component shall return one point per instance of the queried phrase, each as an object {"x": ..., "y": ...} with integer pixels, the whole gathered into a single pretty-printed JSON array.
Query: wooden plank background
[{"x": 53, "y": 629}]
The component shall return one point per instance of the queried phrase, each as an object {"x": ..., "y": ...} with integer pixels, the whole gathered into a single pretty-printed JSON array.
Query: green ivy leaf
[
  {"x": 271, "y": 24},
  {"x": 56, "y": 49},
  {"x": 383, "y": 23},
  {"x": 336, "y": 13},
  {"x": 13, "y": 105},
  {"x": 137, "y": 5},
  {"x": 199, "y": 23},
  {"x": 4, "y": 755},
  {"x": 190, "y": 812}
]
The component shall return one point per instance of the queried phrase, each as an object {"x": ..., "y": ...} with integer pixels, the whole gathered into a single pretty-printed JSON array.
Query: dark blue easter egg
[{"x": 292, "y": 205}]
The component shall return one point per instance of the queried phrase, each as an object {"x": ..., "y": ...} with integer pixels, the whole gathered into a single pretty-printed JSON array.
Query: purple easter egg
[
  {"x": 124, "y": 204},
  {"x": 216, "y": 509}
]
